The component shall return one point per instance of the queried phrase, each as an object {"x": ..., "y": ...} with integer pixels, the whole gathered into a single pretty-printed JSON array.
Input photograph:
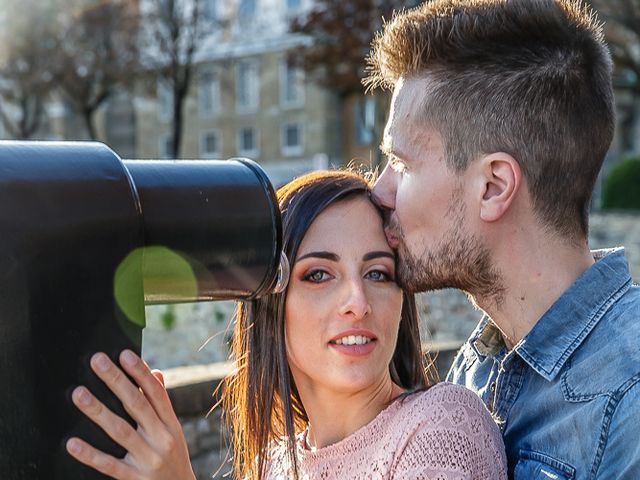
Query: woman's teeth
[{"x": 353, "y": 340}]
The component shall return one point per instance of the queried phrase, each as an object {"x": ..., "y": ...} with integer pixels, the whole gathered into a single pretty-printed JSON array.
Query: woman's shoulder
[
  {"x": 450, "y": 406},
  {"x": 446, "y": 396},
  {"x": 450, "y": 423}
]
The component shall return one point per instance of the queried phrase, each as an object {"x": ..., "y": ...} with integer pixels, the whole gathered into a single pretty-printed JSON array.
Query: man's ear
[{"x": 502, "y": 177}]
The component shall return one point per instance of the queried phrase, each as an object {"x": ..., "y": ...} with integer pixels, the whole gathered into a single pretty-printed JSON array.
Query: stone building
[{"x": 246, "y": 99}]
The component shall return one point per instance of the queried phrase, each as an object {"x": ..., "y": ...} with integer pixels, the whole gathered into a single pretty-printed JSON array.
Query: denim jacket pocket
[{"x": 539, "y": 466}]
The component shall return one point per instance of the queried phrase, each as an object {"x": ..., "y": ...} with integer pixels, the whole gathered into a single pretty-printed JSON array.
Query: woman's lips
[
  {"x": 354, "y": 342},
  {"x": 355, "y": 350}
]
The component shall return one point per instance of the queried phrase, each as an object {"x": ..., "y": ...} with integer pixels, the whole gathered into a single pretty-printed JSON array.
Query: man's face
[{"x": 426, "y": 204}]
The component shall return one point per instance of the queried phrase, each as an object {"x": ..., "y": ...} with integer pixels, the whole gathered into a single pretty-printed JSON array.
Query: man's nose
[
  {"x": 355, "y": 302},
  {"x": 384, "y": 191}
]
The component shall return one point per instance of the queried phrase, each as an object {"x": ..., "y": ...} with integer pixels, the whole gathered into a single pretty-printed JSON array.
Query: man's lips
[{"x": 392, "y": 239}]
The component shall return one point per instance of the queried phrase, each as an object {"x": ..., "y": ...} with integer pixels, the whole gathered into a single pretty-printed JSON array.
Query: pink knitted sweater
[{"x": 444, "y": 433}]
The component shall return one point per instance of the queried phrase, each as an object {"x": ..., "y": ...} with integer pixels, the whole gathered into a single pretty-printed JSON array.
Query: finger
[
  {"x": 94, "y": 458},
  {"x": 160, "y": 376},
  {"x": 152, "y": 387},
  {"x": 133, "y": 400},
  {"x": 116, "y": 427}
]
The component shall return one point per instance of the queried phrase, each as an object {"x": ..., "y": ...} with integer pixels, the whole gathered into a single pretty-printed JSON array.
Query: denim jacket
[{"x": 567, "y": 396}]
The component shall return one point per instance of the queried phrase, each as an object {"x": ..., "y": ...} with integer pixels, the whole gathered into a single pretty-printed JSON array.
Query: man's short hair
[{"x": 531, "y": 78}]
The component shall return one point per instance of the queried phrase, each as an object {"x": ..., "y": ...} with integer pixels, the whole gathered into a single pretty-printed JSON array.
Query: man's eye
[
  {"x": 316, "y": 276},
  {"x": 378, "y": 276}
]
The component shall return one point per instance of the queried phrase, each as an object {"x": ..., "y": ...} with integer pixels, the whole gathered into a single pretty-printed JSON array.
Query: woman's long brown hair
[{"x": 260, "y": 401}]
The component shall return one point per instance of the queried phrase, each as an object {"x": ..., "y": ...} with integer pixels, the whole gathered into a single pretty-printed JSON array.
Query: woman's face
[{"x": 343, "y": 306}]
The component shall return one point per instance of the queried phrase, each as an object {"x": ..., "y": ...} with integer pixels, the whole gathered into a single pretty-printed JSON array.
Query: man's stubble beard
[{"x": 460, "y": 260}]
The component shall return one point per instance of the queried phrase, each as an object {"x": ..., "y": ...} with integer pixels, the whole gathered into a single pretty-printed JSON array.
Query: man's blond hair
[{"x": 531, "y": 78}]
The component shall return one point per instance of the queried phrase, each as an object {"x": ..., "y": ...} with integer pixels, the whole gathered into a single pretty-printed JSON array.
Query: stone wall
[{"x": 194, "y": 392}]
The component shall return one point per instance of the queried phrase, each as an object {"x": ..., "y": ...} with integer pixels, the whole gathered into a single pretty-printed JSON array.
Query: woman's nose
[
  {"x": 355, "y": 301},
  {"x": 384, "y": 191}
]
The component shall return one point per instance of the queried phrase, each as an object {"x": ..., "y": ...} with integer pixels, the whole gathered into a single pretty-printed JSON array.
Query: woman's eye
[
  {"x": 316, "y": 276},
  {"x": 379, "y": 276}
]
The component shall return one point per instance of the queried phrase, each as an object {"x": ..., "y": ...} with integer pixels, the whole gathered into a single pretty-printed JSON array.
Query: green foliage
[
  {"x": 622, "y": 186},
  {"x": 168, "y": 317}
]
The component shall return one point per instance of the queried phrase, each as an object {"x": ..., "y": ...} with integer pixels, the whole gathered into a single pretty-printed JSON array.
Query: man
[{"x": 502, "y": 113}]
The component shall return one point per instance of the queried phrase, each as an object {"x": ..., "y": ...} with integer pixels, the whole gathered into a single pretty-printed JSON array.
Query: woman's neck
[{"x": 336, "y": 415}]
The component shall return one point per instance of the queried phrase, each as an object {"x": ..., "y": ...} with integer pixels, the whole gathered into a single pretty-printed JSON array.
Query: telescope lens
[{"x": 283, "y": 274}]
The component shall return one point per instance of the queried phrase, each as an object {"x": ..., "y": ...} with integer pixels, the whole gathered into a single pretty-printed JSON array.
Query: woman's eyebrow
[
  {"x": 326, "y": 255},
  {"x": 335, "y": 258},
  {"x": 378, "y": 254}
]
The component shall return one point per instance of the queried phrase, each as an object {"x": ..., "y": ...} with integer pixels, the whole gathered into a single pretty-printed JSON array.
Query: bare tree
[
  {"x": 341, "y": 32},
  {"x": 26, "y": 67},
  {"x": 622, "y": 31},
  {"x": 97, "y": 54},
  {"x": 175, "y": 32}
]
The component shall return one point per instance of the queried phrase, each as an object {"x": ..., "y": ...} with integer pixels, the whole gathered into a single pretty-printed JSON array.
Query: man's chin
[
  {"x": 418, "y": 282},
  {"x": 411, "y": 284},
  {"x": 409, "y": 274},
  {"x": 415, "y": 275}
]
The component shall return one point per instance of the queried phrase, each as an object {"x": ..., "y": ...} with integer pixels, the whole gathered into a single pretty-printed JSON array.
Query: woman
[{"x": 330, "y": 380}]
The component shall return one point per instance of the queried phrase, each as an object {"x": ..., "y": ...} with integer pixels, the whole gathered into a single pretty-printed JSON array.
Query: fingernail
[
  {"x": 74, "y": 446},
  {"x": 102, "y": 362},
  {"x": 129, "y": 358},
  {"x": 83, "y": 396}
]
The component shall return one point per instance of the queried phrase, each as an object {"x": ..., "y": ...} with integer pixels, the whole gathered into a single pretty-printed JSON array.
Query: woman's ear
[{"x": 502, "y": 178}]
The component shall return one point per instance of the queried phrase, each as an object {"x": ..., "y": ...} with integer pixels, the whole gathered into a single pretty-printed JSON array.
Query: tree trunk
[
  {"x": 87, "y": 115},
  {"x": 178, "y": 101},
  {"x": 31, "y": 114}
]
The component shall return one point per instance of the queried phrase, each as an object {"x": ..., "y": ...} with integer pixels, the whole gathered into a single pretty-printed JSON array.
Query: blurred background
[{"x": 278, "y": 81}]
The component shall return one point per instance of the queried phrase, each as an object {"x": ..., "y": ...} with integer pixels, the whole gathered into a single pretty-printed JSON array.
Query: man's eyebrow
[
  {"x": 378, "y": 254},
  {"x": 326, "y": 255},
  {"x": 390, "y": 152}
]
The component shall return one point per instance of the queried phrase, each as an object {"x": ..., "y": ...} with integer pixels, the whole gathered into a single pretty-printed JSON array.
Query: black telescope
[{"x": 86, "y": 239}]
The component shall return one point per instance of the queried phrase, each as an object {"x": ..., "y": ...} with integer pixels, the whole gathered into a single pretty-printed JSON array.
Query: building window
[
  {"x": 166, "y": 146},
  {"x": 165, "y": 99},
  {"x": 246, "y": 86},
  {"x": 210, "y": 144},
  {"x": 209, "y": 12},
  {"x": 292, "y": 85},
  {"x": 292, "y": 143},
  {"x": 247, "y": 142},
  {"x": 208, "y": 94},
  {"x": 246, "y": 10},
  {"x": 364, "y": 113}
]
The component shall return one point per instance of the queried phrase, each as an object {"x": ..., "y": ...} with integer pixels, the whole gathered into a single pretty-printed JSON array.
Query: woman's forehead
[{"x": 349, "y": 223}]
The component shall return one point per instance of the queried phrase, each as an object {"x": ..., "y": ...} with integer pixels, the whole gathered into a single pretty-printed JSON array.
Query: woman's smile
[{"x": 354, "y": 342}]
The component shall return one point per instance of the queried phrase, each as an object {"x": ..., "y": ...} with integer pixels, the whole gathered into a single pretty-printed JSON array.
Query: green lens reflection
[{"x": 166, "y": 274}]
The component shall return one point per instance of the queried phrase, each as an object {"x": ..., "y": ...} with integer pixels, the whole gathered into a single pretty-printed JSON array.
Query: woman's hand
[{"x": 157, "y": 449}]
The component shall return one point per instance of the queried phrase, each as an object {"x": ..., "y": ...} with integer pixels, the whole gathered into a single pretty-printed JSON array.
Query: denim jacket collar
[
  {"x": 569, "y": 320},
  {"x": 486, "y": 339}
]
